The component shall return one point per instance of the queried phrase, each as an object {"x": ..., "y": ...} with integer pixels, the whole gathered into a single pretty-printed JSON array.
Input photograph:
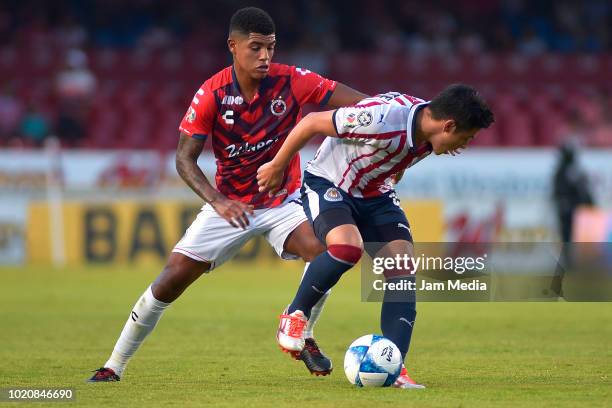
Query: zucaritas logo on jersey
[
  {"x": 278, "y": 107},
  {"x": 332, "y": 194}
]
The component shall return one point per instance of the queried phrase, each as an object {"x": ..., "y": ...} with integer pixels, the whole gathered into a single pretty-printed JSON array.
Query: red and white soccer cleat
[
  {"x": 404, "y": 381},
  {"x": 290, "y": 334}
]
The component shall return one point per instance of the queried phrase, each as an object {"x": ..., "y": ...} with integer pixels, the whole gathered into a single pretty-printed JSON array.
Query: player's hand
[
  {"x": 234, "y": 212},
  {"x": 269, "y": 177}
]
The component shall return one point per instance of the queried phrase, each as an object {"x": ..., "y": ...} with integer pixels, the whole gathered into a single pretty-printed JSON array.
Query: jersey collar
[
  {"x": 411, "y": 125},
  {"x": 263, "y": 85}
]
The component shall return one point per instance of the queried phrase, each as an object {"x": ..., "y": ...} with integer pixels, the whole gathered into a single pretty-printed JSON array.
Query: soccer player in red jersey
[{"x": 247, "y": 109}]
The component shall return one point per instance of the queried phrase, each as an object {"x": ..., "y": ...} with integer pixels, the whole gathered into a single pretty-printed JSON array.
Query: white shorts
[{"x": 210, "y": 238}]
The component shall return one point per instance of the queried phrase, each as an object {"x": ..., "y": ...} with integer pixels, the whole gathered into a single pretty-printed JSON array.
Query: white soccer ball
[{"x": 372, "y": 361}]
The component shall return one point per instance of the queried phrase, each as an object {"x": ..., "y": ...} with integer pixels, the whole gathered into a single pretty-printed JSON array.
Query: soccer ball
[{"x": 372, "y": 361}]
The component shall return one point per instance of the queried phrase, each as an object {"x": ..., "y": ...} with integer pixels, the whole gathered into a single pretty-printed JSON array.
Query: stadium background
[
  {"x": 111, "y": 80},
  {"x": 91, "y": 94}
]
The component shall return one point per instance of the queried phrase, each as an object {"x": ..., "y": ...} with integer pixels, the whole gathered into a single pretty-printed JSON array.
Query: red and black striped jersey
[{"x": 245, "y": 135}]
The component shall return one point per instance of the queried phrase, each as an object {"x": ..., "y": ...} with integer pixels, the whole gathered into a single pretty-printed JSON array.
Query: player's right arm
[
  {"x": 195, "y": 127},
  {"x": 187, "y": 154}
]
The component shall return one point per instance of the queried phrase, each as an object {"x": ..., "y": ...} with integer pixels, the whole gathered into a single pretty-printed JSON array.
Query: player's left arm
[
  {"x": 270, "y": 175},
  {"x": 345, "y": 96},
  {"x": 310, "y": 87}
]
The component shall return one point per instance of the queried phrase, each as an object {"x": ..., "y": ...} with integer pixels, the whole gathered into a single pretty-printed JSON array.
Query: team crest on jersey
[
  {"x": 191, "y": 115},
  {"x": 278, "y": 107},
  {"x": 332, "y": 194},
  {"x": 364, "y": 118}
]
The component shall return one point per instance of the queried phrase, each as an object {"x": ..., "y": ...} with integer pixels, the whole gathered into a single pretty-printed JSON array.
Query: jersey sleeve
[
  {"x": 199, "y": 119},
  {"x": 310, "y": 87},
  {"x": 370, "y": 123}
]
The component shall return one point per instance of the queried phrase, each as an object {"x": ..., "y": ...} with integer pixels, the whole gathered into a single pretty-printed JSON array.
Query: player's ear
[
  {"x": 449, "y": 126},
  {"x": 231, "y": 45}
]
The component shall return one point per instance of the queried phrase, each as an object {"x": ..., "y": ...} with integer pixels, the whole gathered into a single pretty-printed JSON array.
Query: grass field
[{"x": 215, "y": 346}]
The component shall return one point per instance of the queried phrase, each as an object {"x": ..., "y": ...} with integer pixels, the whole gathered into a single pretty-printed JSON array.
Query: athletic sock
[
  {"x": 323, "y": 273},
  {"x": 397, "y": 316},
  {"x": 142, "y": 320},
  {"x": 315, "y": 312}
]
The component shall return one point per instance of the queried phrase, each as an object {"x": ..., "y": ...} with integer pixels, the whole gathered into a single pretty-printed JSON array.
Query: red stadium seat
[
  {"x": 136, "y": 130},
  {"x": 551, "y": 127},
  {"x": 516, "y": 128},
  {"x": 487, "y": 138},
  {"x": 102, "y": 131},
  {"x": 602, "y": 136},
  {"x": 504, "y": 102}
]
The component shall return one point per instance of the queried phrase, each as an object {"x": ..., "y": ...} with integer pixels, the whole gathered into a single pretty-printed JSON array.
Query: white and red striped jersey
[{"x": 375, "y": 141}]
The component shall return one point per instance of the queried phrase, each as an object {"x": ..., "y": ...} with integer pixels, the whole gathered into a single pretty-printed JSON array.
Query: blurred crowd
[
  {"x": 437, "y": 26},
  {"x": 307, "y": 30}
]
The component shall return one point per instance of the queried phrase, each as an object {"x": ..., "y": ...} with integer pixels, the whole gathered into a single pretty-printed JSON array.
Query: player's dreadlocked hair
[
  {"x": 252, "y": 20},
  {"x": 463, "y": 104}
]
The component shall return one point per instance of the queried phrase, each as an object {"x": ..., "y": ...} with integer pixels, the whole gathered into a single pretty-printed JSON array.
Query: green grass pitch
[{"x": 216, "y": 347}]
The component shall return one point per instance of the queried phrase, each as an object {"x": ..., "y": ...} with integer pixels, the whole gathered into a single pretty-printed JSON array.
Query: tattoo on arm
[{"x": 187, "y": 154}]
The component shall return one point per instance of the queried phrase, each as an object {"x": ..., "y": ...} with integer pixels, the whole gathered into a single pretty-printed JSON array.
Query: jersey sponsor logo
[
  {"x": 238, "y": 149},
  {"x": 232, "y": 100},
  {"x": 332, "y": 194},
  {"x": 364, "y": 118},
  {"x": 228, "y": 117},
  {"x": 281, "y": 192},
  {"x": 191, "y": 115},
  {"x": 278, "y": 107}
]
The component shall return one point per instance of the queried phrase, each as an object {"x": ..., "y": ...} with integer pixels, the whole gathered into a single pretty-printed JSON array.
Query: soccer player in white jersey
[{"x": 348, "y": 193}]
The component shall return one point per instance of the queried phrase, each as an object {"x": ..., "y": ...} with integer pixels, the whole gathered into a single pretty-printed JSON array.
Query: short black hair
[
  {"x": 464, "y": 105},
  {"x": 252, "y": 20}
]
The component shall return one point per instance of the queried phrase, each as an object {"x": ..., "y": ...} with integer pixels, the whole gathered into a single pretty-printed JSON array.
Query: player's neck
[
  {"x": 248, "y": 85},
  {"x": 420, "y": 135}
]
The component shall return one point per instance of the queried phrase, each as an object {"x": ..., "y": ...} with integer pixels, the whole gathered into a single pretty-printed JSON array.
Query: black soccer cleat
[
  {"x": 316, "y": 362},
  {"x": 104, "y": 374}
]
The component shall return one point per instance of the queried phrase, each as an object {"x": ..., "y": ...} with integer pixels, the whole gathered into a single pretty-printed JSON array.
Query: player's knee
[
  {"x": 168, "y": 286},
  {"x": 346, "y": 234},
  {"x": 176, "y": 277},
  {"x": 349, "y": 254}
]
